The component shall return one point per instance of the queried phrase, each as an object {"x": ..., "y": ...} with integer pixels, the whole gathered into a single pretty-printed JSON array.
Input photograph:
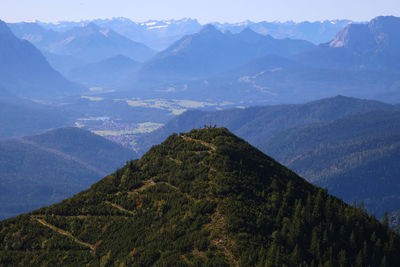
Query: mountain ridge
[
  {"x": 210, "y": 51},
  {"x": 159, "y": 34},
  {"x": 48, "y": 167},
  {"x": 81, "y": 41},
  {"x": 80, "y": 45}
]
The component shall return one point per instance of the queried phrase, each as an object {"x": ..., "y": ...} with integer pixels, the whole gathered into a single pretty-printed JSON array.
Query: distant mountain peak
[
  {"x": 251, "y": 36},
  {"x": 353, "y": 32},
  {"x": 368, "y": 37},
  {"x": 209, "y": 28},
  {"x": 89, "y": 29},
  {"x": 92, "y": 26},
  {"x": 88, "y": 44},
  {"x": 248, "y": 32},
  {"x": 384, "y": 20}
]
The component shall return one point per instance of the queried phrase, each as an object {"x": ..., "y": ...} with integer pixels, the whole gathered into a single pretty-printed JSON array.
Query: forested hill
[
  {"x": 355, "y": 157},
  {"x": 204, "y": 198},
  {"x": 44, "y": 169}
]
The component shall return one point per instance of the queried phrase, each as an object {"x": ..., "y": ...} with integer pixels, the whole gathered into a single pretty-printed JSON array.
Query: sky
[{"x": 203, "y": 10}]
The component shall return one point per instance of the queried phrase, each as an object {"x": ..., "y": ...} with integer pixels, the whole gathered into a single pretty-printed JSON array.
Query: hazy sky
[{"x": 203, "y": 10}]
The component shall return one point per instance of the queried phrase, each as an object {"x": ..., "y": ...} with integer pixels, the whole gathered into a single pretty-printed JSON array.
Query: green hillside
[{"x": 204, "y": 198}]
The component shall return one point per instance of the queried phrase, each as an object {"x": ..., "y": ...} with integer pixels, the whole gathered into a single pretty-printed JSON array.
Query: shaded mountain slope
[
  {"x": 34, "y": 33},
  {"x": 205, "y": 198},
  {"x": 355, "y": 157},
  {"x": 52, "y": 166},
  {"x": 25, "y": 72}
]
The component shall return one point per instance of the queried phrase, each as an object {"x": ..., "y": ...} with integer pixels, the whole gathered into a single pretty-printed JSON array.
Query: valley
[{"x": 124, "y": 120}]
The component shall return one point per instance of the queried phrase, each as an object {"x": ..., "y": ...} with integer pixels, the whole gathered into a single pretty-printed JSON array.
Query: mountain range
[
  {"x": 156, "y": 34},
  {"x": 80, "y": 45},
  {"x": 92, "y": 43},
  {"x": 316, "y": 32},
  {"x": 212, "y": 52},
  {"x": 159, "y": 34},
  {"x": 258, "y": 70},
  {"x": 43, "y": 169},
  {"x": 204, "y": 198}
]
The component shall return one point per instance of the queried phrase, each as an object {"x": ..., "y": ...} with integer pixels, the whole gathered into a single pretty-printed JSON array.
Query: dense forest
[
  {"x": 355, "y": 157},
  {"x": 204, "y": 198}
]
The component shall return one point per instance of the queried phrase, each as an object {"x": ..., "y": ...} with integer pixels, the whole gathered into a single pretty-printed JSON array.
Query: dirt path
[
  {"x": 177, "y": 161},
  {"x": 209, "y": 145},
  {"x": 65, "y": 233},
  {"x": 219, "y": 237},
  {"x": 119, "y": 207},
  {"x": 146, "y": 184}
]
